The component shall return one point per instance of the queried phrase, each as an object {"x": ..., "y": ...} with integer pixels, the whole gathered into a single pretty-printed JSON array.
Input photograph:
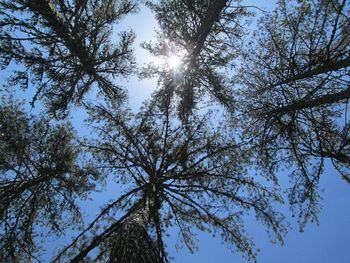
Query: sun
[
  {"x": 174, "y": 61},
  {"x": 170, "y": 57}
]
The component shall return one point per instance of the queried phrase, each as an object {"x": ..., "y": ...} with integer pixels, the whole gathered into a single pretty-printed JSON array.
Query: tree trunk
[
  {"x": 307, "y": 104},
  {"x": 133, "y": 243},
  {"x": 327, "y": 67},
  {"x": 47, "y": 10},
  {"x": 216, "y": 6}
]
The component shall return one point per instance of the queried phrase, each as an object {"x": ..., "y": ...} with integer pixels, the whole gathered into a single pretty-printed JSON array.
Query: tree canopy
[
  {"x": 295, "y": 86},
  {"x": 204, "y": 153},
  {"x": 40, "y": 182},
  {"x": 206, "y": 32},
  {"x": 184, "y": 175},
  {"x": 63, "y": 48}
]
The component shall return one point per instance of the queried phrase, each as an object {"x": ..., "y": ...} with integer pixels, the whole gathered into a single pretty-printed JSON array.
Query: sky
[{"x": 324, "y": 243}]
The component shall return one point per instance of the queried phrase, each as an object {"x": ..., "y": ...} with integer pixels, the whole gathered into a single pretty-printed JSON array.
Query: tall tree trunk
[
  {"x": 216, "y": 6},
  {"x": 47, "y": 10},
  {"x": 133, "y": 243},
  {"x": 308, "y": 104},
  {"x": 326, "y": 67}
]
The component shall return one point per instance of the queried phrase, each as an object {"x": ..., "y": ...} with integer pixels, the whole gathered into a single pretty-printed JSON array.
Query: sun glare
[
  {"x": 170, "y": 56},
  {"x": 174, "y": 61}
]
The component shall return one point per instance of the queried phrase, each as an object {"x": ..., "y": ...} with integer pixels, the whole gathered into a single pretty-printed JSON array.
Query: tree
[
  {"x": 207, "y": 33},
  {"x": 64, "y": 48},
  {"x": 40, "y": 181},
  {"x": 173, "y": 166},
  {"x": 173, "y": 174},
  {"x": 295, "y": 89}
]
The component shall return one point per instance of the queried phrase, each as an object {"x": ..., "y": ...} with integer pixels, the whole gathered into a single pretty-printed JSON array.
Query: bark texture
[{"x": 133, "y": 243}]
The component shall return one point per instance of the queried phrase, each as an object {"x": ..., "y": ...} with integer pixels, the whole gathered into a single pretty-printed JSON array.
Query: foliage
[
  {"x": 284, "y": 91},
  {"x": 295, "y": 89},
  {"x": 208, "y": 33},
  {"x": 63, "y": 48},
  {"x": 176, "y": 175},
  {"x": 40, "y": 181}
]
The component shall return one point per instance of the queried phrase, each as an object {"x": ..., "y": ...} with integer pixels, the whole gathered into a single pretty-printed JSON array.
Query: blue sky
[
  {"x": 324, "y": 243},
  {"x": 327, "y": 242}
]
